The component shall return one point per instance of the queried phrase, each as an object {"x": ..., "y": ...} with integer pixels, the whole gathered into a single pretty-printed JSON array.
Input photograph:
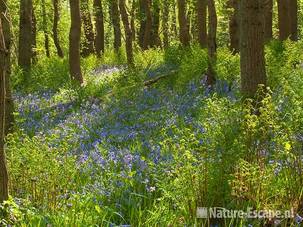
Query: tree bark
[
  {"x": 128, "y": 33},
  {"x": 88, "y": 45},
  {"x": 234, "y": 26},
  {"x": 45, "y": 29},
  {"x": 74, "y": 42},
  {"x": 9, "y": 104},
  {"x": 99, "y": 24},
  {"x": 147, "y": 32},
  {"x": 293, "y": 17},
  {"x": 3, "y": 66},
  {"x": 183, "y": 23},
  {"x": 268, "y": 20},
  {"x": 165, "y": 25},
  {"x": 25, "y": 36},
  {"x": 283, "y": 19},
  {"x": 55, "y": 28},
  {"x": 155, "y": 41},
  {"x": 201, "y": 7},
  {"x": 252, "y": 47},
  {"x": 115, "y": 18},
  {"x": 34, "y": 37},
  {"x": 212, "y": 42}
]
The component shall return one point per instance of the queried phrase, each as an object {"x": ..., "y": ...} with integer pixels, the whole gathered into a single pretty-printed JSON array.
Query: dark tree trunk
[
  {"x": 74, "y": 42},
  {"x": 34, "y": 37},
  {"x": 252, "y": 47},
  {"x": 55, "y": 28},
  {"x": 25, "y": 36},
  {"x": 133, "y": 18},
  {"x": 268, "y": 20},
  {"x": 293, "y": 17},
  {"x": 99, "y": 24},
  {"x": 148, "y": 25},
  {"x": 283, "y": 14},
  {"x": 212, "y": 42},
  {"x": 9, "y": 104},
  {"x": 45, "y": 29},
  {"x": 3, "y": 75},
  {"x": 128, "y": 33},
  {"x": 165, "y": 25},
  {"x": 88, "y": 45},
  {"x": 156, "y": 41},
  {"x": 201, "y": 7},
  {"x": 234, "y": 26},
  {"x": 115, "y": 18},
  {"x": 183, "y": 23}
]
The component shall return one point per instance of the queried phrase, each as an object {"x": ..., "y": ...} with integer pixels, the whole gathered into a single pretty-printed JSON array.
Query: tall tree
[
  {"x": 234, "y": 26},
  {"x": 183, "y": 23},
  {"x": 115, "y": 19},
  {"x": 212, "y": 41},
  {"x": 165, "y": 20},
  {"x": 252, "y": 47},
  {"x": 45, "y": 28},
  {"x": 128, "y": 33},
  {"x": 3, "y": 66},
  {"x": 288, "y": 19},
  {"x": 201, "y": 8},
  {"x": 293, "y": 17},
  {"x": 34, "y": 37},
  {"x": 9, "y": 104},
  {"x": 74, "y": 42},
  {"x": 25, "y": 36},
  {"x": 268, "y": 19},
  {"x": 88, "y": 45},
  {"x": 55, "y": 28},
  {"x": 155, "y": 38},
  {"x": 146, "y": 24},
  {"x": 99, "y": 24}
]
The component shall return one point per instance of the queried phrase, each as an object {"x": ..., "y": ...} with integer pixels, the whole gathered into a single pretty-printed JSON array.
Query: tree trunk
[
  {"x": 212, "y": 42},
  {"x": 148, "y": 24},
  {"x": 115, "y": 18},
  {"x": 234, "y": 26},
  {"x": 34, "y": 37},
  {"x": 201, "y": 7},
  {"x": 268, "y": 20},
  {"x": 3, "y": 66},
  {"x": 252, "y": 47},
  {"x": 293, "y": 17},
  {"x": 165, "y": 21},
  {"x": 55, "y": 28},
  {"x": 133, "y": 18},
  {"x": 283, "y": 17},
  {"x": 88, "y": 45},
  {"x": 45, "y": 29},
  {"x": 5, "y": 17},
  {"x": 99, "y": 24},
  {"x": 25, "y": 36},
  {"x": 74, "y": 41},
  {"x": 156, "y": 41},
  {"x": 128, "y": 33},
  {"x": 183, "y": 23}
]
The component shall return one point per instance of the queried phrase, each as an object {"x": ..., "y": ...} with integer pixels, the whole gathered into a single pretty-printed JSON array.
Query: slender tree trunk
[
  {"x": 156, "y": 41},
  {"x": 74, "y": 42},
  {"x": 34, "y": 37},
  {"x": 55, "y": 28},
  {"x": 201, "y": 7},
  {"x": 9, "y": 104},
  {"x": 148, "y": 25},
  {"x": 165, "y": 25},
  {"x": 3, "y": 169},
  {"x": 99, "y": 24},
  {"x": 25, "y": 36},
  {"x": 128, "y": 33},
  {"x": 183, "y": 23},
  {"x": 234, "y": 26},
  {"x": 88, "y": 45},
  {"x": 268, "y": 20},
  {"x": 293, "y": 17},
  {"x": 252, "y": 47},
  {"x": 115, "y": 18},
  {"x": 45, "y": 29},
  {"x": 212, "y": 42},
  {"x": 283, "y": 17},
  {"x": 174, "y": 19},
  {"x": 133, "y": 18}
]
